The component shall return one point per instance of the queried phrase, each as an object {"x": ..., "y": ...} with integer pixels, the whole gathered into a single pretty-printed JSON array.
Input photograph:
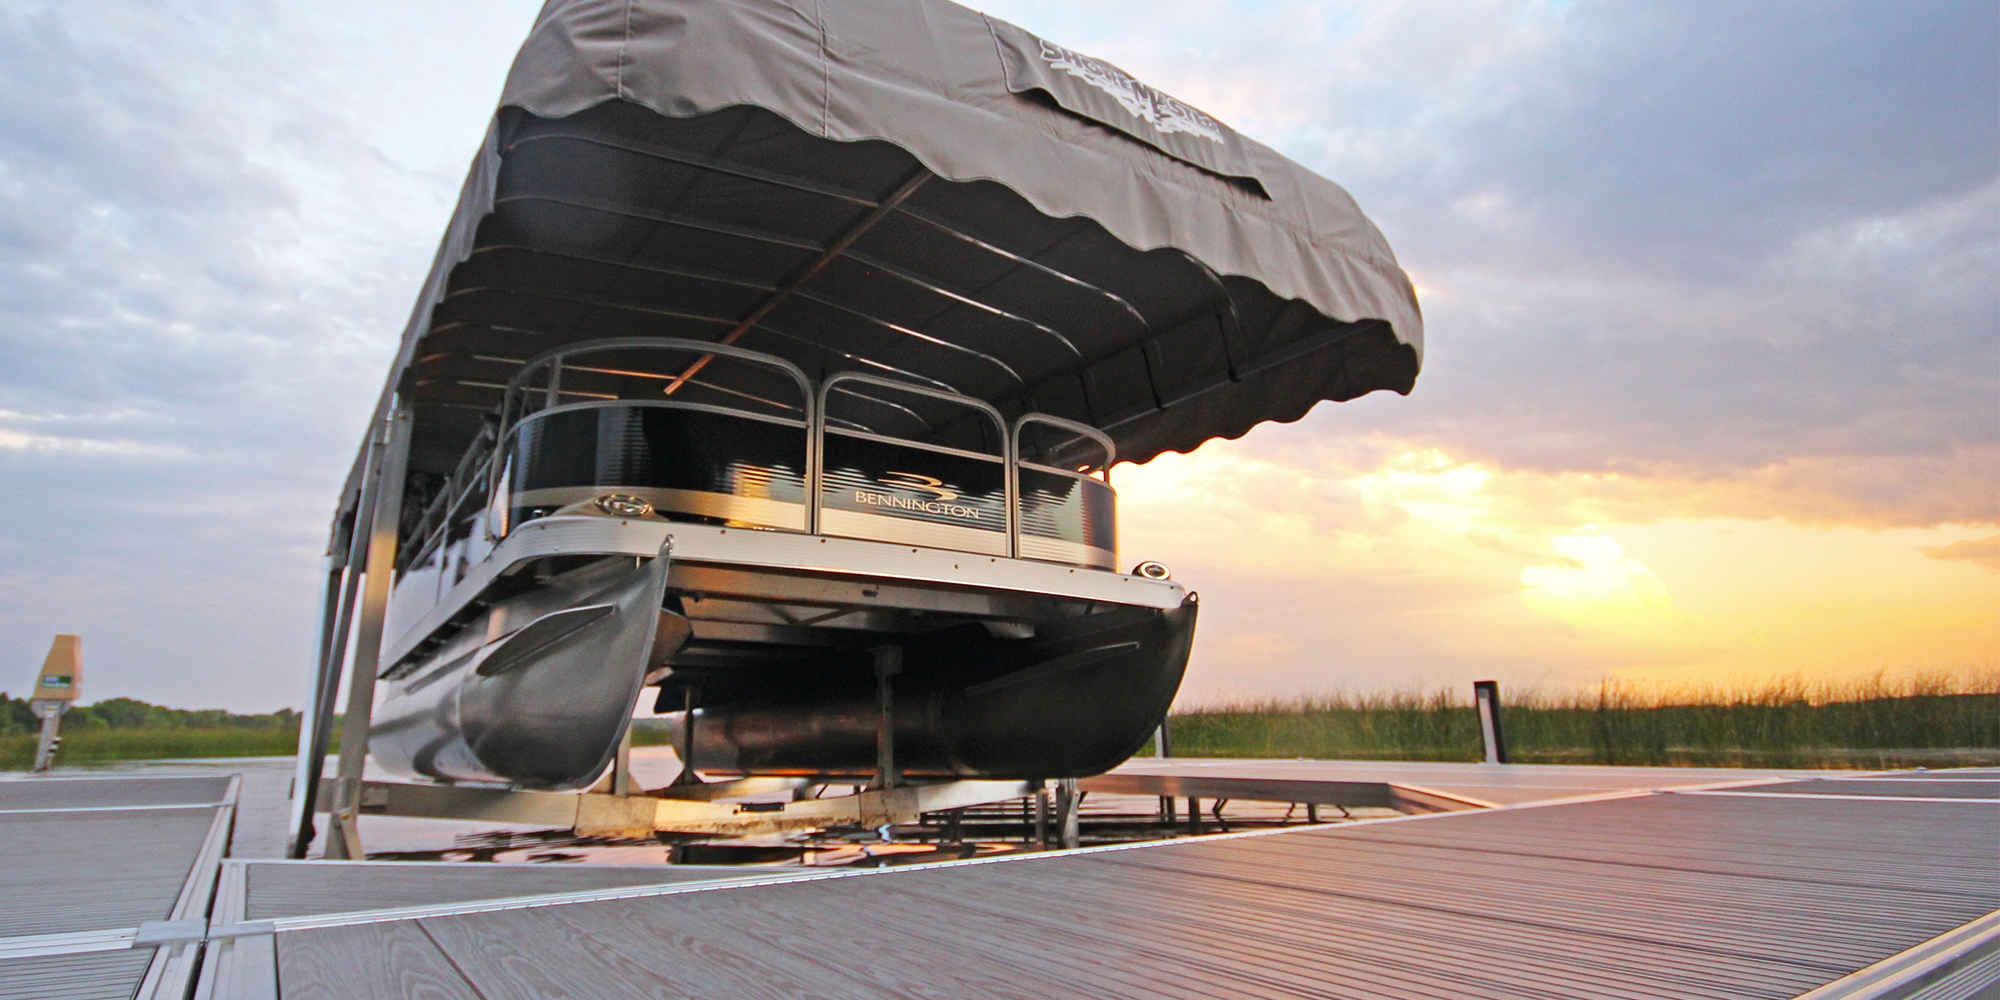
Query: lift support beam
[{"x": 593, "y": 814}]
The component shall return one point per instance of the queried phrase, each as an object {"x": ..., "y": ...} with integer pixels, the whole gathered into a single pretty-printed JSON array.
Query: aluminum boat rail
[{"x": 548, "y": 384}]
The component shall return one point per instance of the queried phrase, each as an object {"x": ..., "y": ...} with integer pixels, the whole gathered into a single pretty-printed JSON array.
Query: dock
[
  {"x": 1517, "y": 882},
  {"x": 105, "y": 883}
]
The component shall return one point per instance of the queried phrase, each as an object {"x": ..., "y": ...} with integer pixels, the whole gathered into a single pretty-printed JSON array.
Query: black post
[
  {"x": 1486, "y": 696},
  {"x": 1162, "y": 746},
  {"x": 690, "y": 700},
  {"x": 888, "y": 663}
]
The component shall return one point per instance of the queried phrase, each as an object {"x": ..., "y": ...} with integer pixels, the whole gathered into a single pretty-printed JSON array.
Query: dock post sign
[{"x": 56, "y": 688}]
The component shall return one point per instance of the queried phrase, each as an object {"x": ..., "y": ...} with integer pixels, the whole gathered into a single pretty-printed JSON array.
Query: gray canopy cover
[{"x": 1215, "y": 241}]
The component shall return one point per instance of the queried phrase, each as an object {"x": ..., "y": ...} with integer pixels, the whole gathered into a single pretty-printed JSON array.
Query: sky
[{"x": 1711, "y": 392}]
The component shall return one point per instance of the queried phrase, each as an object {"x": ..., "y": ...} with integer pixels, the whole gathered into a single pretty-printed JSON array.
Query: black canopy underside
[{"x": 641, "y": 212}]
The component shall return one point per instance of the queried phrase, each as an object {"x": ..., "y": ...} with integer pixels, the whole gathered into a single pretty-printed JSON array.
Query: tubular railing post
[
  {"x": 519, "y": 391},
  {"x": 815, "y": 423},
  {"x": 1486, "y": 696},
  {"x": 1010, "y": 490},
  {"x": 1013, "y": 448},
  {"x": 344, "y": 837},
  {"x": 818, "y": 438}
]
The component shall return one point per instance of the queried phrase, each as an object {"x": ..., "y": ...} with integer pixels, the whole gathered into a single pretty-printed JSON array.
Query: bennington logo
[
  {"x": 910, "y": 480},
  {"x": 1159, "y": 110}
]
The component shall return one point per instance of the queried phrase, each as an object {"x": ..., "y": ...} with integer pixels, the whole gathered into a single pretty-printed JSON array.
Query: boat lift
[
  {"x": 919, "y": 583},
  {"x": 982, "y": 231}
]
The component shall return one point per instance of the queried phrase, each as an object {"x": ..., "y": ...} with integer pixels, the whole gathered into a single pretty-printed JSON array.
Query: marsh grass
[
  {"x": 1935, "y": 720},
  {"x": 17, "y": 750},
  {"x": 1921, "y": 720}
]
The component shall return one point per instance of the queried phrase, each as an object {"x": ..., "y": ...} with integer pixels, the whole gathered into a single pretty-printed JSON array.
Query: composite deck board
[
  {"x": 1750, "y": 914},
  {"x": 1886, "y": 787},
  {"x": 1301, "y": 922},
  {"x": 1664, "y": 897},
  {"x": 65, "y": 871},
  {"x": 89, "y": 793},
  {"x": 378, "y": 961},
  {"x": 103, "y": 975},
  {"x": 1871, "y": 842},
  {"x": 1316, "y": 932},
  {"x": 291, "y": 889},
  {"x": 1435, "y": 936},
  {"x": 762, "y": 954}
]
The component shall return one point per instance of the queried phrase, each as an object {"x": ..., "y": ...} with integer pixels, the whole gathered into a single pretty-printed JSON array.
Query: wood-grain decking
[{"x": 1765, "y": 891}]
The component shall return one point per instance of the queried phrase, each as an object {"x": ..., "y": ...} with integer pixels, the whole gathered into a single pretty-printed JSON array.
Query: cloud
[
  {"x": 1981, "y": 552},
  {"x": 13, "y": 440},
  {"x": 212, "y": 218},
  {"x": 1750, "y": 241},
  {"x": 1733, "y": 262}
]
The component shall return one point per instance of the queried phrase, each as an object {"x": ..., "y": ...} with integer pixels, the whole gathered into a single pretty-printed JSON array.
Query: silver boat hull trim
[{"x": 544, "y": 705}]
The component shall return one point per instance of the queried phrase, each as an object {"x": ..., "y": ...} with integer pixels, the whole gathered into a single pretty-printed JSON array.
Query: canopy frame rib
[
  {"x": 766, "y": 327},
  {"x": 720, "y": 278},
  {"x": 1291, "y": 352},
  {"x": 1227, "y": 321},
  {"x": 832, "y": 253},
  {"x": 806, "y": 187},
  {"x": 583, "y": 299},
  {"x": 609, "y": 302},
  {"x": 1029, "y": 262}
]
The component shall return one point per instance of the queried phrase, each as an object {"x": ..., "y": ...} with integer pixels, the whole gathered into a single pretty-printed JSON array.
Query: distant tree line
[{"x": 131, "y": 713}]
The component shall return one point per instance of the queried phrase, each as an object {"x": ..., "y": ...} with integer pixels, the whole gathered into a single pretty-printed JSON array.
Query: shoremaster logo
[{"x": 913, "y": 481}]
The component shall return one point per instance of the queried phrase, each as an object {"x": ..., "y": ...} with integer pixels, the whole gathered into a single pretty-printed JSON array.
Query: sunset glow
[{"x": 1500, "y": 569}]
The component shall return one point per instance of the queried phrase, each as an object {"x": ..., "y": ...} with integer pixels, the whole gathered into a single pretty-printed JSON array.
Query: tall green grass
[
  {"x": 1930, "y": 720},
  {"x": 17, "y": 750}
]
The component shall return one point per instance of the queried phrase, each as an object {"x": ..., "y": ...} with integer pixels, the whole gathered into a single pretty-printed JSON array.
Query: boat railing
[
  {"x": 521, "y": 389},
  {"x": 1005, "y": 458},
  {"x": 1080, "y": 431},
  {"x": 557, "y": 381}
]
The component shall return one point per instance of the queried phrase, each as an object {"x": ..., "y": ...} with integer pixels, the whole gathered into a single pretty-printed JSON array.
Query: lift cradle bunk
[{"x": 770, "y": 375}]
